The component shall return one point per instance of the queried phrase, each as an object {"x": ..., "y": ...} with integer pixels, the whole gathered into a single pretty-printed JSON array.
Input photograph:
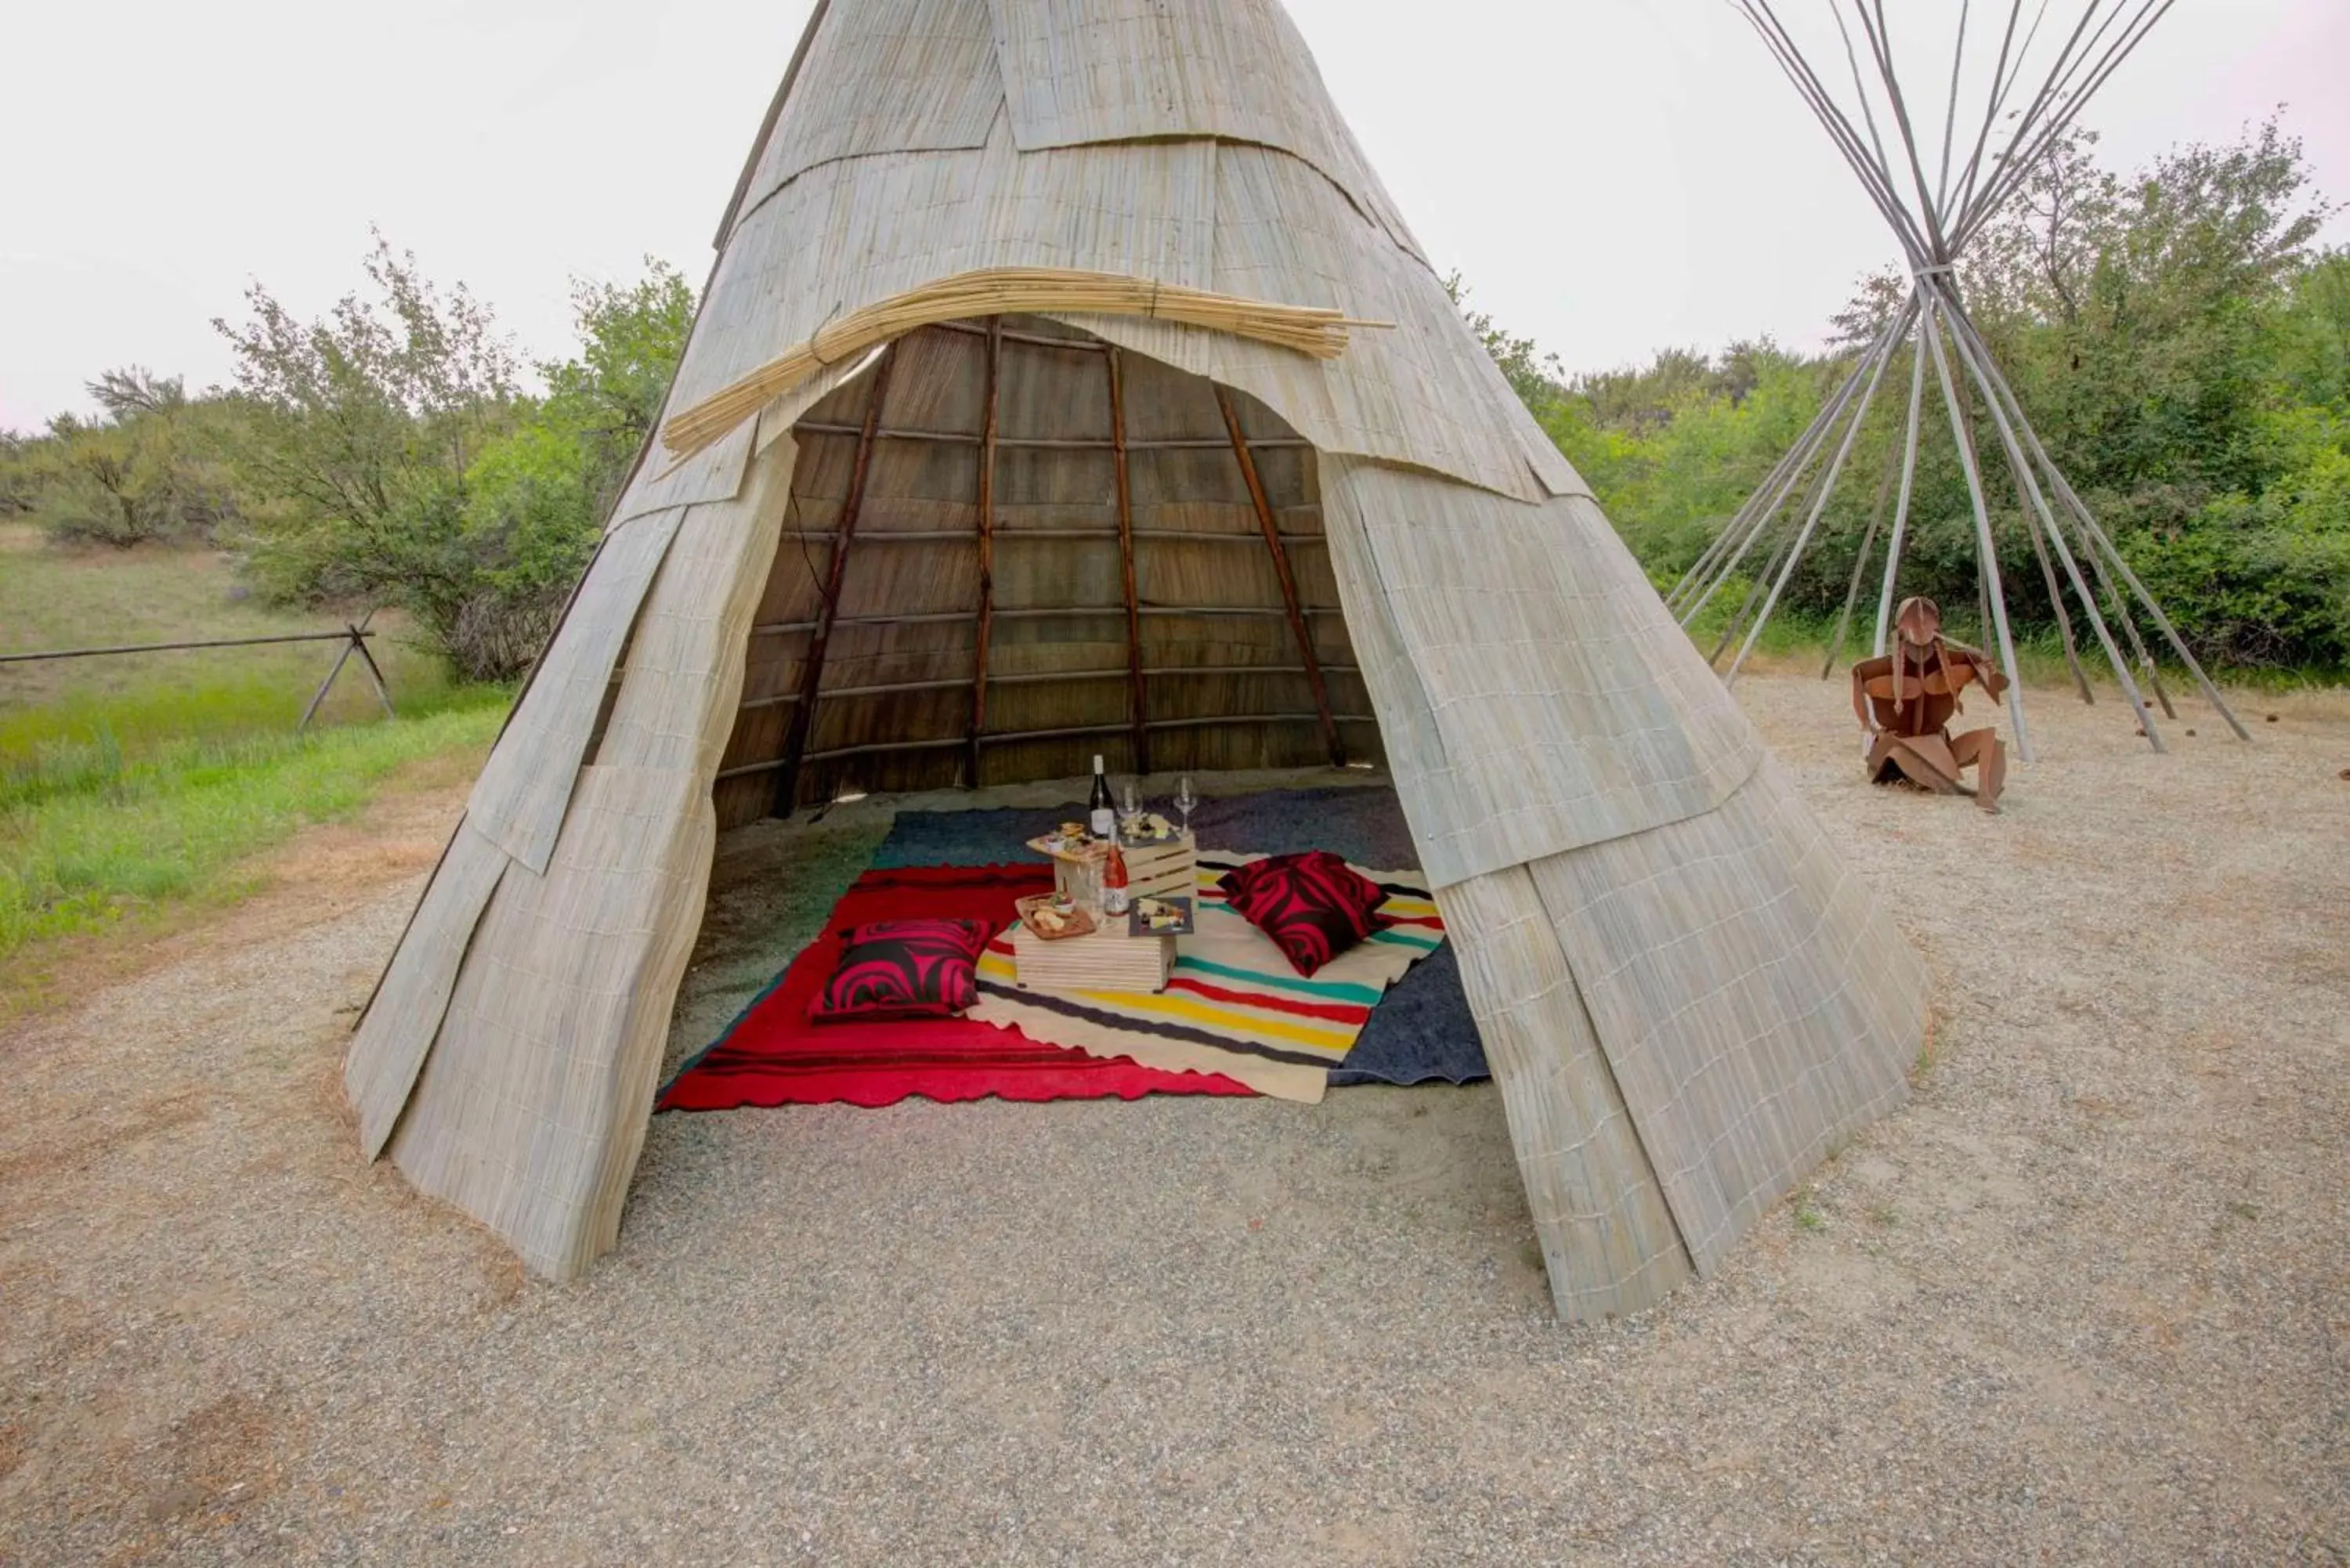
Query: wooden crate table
[
  {"x": 1104, "y": 959},
  {"x": 1161, "y": 869}
]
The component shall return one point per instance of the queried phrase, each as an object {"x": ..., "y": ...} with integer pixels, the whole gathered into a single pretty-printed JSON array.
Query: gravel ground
[{"x": 2082, "y": 1301}]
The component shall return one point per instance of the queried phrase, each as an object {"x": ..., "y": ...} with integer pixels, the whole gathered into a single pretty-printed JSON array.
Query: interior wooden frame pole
[
  {"x": 1137, "y": 704},
  {"x": 1987, "y": 549},
  {"x": 787, "y": 779},
  {"x": 1297, "y": 626},
  {"x": 986, "y": 526}
]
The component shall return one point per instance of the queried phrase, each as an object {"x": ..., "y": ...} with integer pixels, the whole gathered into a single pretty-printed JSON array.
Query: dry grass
[
  {"x": 2080, "y": 1301},
  {"x": 56, "y": 598}
]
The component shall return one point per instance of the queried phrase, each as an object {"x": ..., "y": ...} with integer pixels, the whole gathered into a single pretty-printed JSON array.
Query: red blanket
[{"x": 774, "y": 1056}]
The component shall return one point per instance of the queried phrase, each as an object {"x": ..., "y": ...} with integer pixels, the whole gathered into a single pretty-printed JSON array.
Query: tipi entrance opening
[{"x": 1009, "y": 546}]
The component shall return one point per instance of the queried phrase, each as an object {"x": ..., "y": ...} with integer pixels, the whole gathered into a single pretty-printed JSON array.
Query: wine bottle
[
  {"x": 1114, "y": 898},
  {"x": 1101, "y": 816}
]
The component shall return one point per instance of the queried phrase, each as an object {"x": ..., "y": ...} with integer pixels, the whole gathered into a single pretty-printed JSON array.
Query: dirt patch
[
  {"x": 227, "y": 1454},
  {"x": 2079, "y": 1302},
  {"x": 81, "y": 1148}
]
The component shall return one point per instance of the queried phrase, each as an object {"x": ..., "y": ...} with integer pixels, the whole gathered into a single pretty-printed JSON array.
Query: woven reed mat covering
[
  {"x": 1234, "y": 1004},
  {"x": 1422, "y": 1030},
  {"x": 772, "y": 1055},
  {"x": 920, "y": 143}
]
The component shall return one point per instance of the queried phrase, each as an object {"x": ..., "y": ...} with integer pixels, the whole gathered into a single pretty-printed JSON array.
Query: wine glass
[
  {"x": 1131, "y": 808},
  {"x": 1185, "y": 800}
]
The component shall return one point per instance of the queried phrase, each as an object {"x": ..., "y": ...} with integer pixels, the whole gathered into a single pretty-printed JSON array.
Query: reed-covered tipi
[{"x": 1031, "y": 412}]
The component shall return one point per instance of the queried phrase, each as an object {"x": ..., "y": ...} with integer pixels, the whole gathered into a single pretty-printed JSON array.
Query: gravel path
[{"x": 2081, "y": 1302}]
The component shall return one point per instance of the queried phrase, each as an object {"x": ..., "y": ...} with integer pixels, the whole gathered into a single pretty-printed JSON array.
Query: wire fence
[{"x": 353, "y": 637}]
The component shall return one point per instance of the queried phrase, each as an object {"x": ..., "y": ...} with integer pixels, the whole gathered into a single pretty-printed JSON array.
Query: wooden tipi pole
[
  {"x": 1933, "y": 226},
  {"x": 2097, "y": 537},
  {"x": 1909, "y": 476},
  {"x": 1138, "y": 708},
  {"x": 986, "y": 525},
  {"x": 803, "y": 724},
  {"x": 1963, "y": 340},
  {"x": 1984, "y": 544},
  {"x": 1860, "y": 557},
  {"x": 1813, "y": 439},
  {"x": 1271, "y": 526},
  {"x": 1883, "y": 356}
]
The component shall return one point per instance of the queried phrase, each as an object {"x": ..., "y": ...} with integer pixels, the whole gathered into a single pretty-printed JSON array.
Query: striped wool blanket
[
  {"x": 773, "y": 1055},
  {"x": 1233, "y": 1005}
]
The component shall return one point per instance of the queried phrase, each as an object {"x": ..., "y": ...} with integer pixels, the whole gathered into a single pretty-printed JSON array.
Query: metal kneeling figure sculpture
[{"x": 1907, "y": 698}]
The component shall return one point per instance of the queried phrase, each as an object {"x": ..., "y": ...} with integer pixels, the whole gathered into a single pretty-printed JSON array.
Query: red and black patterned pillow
[
  {"x": 1314, "y": 906},
  {"x": 904, "y": 969}
]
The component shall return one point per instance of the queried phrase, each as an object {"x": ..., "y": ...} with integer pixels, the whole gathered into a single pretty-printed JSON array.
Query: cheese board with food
[
  {"x": 1158, "y": 917},
  {"x": 1053, "y": 916},
  {"x": 1070, "y": 841}
]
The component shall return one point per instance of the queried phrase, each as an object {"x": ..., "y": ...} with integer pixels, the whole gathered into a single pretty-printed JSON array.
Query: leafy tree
[
  {"x": 630, "y": 342},
  {"x": 360, "y": 431},
  {"x": 144, "y": 472},
  {"x": 21, "y": 475},
  {"x": 2183, "y": 354},
  {"x": 2312, "y": 334},
  {"x": 392, "y": 457},
  {"x": 539, "y": 494}
]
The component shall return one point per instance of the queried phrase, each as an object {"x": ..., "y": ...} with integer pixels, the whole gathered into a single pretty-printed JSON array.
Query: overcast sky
[{"x": 1612, "y": 176}]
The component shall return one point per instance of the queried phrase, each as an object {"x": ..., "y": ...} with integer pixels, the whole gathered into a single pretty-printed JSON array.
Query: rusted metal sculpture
[{"x": 1907, "y": 698}]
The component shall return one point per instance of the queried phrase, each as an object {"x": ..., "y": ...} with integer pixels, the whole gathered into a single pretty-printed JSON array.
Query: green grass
[
  {"x": 88, "y": 838},
  {"x": 131, "y": 785},
  {"x": 52, "y": 598}
]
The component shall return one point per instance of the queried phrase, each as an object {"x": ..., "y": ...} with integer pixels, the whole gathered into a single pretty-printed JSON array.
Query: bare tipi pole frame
[{"x": 1934, "y": 218}]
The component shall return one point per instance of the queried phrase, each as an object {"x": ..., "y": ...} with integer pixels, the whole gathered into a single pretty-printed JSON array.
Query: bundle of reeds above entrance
[{"x": 1316, "y": 330}]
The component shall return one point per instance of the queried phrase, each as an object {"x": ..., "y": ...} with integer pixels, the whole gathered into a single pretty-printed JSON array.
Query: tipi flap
[
  {"x": 518, "y": 801},
  {"x": 1081, "y": 71},
  {"x": 405, "y": 1014},
  {"x": 1570, "y": 707},
  {"x": 886, "y": 76}
]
